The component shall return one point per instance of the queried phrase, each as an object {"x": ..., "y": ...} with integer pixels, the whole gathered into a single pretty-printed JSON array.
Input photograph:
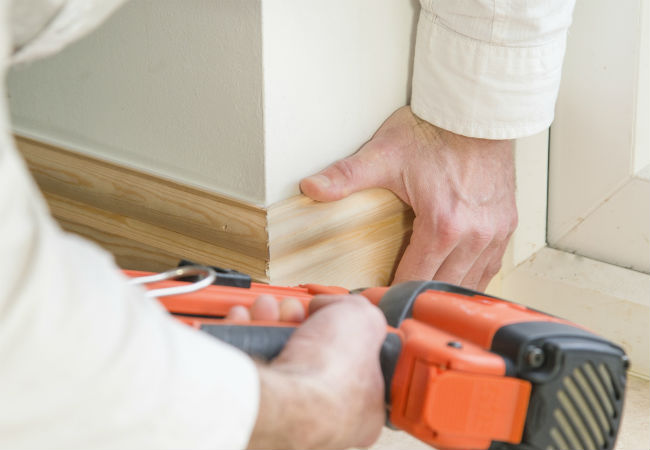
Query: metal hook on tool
[{"x": 208, "y": 276}]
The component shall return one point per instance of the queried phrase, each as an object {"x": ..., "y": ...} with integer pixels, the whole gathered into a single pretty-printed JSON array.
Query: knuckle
[
  {"x": 359, "y": 303},
  {"x": 481, "y": 236},
  {"x": 505, "y": 228},
  {"x": 502, "y": 234},
  {"x": 379, "y": 321},
  {"x": 346, "y": 168},
  {"x": 441, "y": 220},
  {"x": 448, "y": 230},
  {"x": 453, "y": 277},
  {"x": 471, "y": 281},
  {"x": 372, "y": 315},
  {"x": 368, "y": 317},
  {"x": 493, "y": 268},
  {"x": 358, "y": 300}
]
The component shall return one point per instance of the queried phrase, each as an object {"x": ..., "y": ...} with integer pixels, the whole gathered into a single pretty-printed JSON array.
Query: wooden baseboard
[
  {"x": 146, "y": 220},
  {"x": 354, "y": 242},
  {"x": 148, "y": 223}
]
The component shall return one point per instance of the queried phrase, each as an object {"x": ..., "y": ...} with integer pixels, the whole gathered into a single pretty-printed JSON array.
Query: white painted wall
[
  {"x": 240, "y": 97},
  {"x": 166, "y": 86},
  {"x": 333, "y": 72},
  {"x": 642, "y": 128}
]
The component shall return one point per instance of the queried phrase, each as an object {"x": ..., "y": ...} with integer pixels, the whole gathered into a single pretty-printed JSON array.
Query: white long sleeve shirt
[{"x": 86, "y": 361}]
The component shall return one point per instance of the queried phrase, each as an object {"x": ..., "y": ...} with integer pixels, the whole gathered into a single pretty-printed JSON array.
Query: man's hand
[
  {"x": 266, "y": 308},
  {"x": 461, "y": 189},
  {"x": 325, "y": 390}
]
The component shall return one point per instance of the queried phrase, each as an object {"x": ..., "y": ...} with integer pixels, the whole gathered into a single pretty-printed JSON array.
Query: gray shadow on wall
[{"x": 414, "y": 31}]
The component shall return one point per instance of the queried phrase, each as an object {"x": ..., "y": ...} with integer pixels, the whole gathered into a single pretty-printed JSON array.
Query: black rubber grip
[
  {"x": 267, "y": 342},
  {"x": 257, "y": 341},
  {"x": 397, "y": 303}
]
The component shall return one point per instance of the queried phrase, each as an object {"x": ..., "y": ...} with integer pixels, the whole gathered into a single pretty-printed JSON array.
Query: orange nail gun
[{"x": 462, "y": 369}]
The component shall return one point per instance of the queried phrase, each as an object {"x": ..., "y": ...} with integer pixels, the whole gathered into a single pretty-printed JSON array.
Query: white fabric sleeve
[
  {"x": 489, "y": 68},
  {"x": 86, "y": 361},
  {"x": 53, "y": 24}
]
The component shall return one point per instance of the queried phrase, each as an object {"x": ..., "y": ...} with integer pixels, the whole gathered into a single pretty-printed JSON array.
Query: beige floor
[{"x": 634, "y": 434}]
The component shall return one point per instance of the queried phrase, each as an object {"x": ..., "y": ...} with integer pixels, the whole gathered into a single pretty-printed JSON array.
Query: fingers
[
  {"x": 291, "y": 310},
  {"x": 475, "y": 274},
  {"x": 348, "y": 331},
  {"x": 347, "y": 311},
  {"x": 330, "y": 377},
  {"x": 334, "y": 318},
  {"x": 321, "y": 301},
  {"x": 486, "y": 265},
  {"x": 470, "y": 251},
  {"x": 266, "y": 308},
  {"x": 492, "y": 268},
  {"x": 455, "y": 252},
  {"x": 371, "y": 167},
  {"x": 341, "y": 307},
  {"x": 238, "y": 314},
  {"x": 429, "y": 246}
]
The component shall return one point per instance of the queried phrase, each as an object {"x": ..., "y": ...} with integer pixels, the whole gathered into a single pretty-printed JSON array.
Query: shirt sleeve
[
  {"x": 86, "y": 361},
  {"x": 489, "y": 69},
  {"x": 43, "y": 27}
]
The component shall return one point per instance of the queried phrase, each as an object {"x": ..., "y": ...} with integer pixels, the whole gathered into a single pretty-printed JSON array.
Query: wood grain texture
[
  {"x": 225, "y": 222},
  {"x": 164, "y": 241},
  {"x": 354, "y": 242},
  {"x": 149, "y": 223},
  {"x": 128, "y": 253}
]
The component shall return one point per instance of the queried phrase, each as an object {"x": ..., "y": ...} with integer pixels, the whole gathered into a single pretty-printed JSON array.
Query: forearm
[
  {"x": 294, "y": 409},
  {"x": 87, "y": 361}
]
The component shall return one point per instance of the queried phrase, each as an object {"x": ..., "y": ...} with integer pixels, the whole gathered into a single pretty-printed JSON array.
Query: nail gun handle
[
  {"x": 266, "y": 342},
  {"x": 258, "y": 341}
]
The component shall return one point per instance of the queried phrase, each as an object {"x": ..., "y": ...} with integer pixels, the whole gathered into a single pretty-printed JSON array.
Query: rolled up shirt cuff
[{"x": 480, "y": 89}]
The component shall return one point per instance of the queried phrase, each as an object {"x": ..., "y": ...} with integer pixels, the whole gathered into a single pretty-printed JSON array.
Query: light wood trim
[
  {"x": 128, "y": 253},
  {"x": 164, "y": 241},
  {"x": 149, "y": 223},
  {"x": 354, "y": 242},
  {"x": 227, "y": 223}
]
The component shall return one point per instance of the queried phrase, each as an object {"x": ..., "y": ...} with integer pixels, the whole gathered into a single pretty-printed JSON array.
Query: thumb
[{"x": 363, "y": 170}]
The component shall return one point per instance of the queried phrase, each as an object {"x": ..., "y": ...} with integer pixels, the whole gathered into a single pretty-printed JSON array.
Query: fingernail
[{"x": 321, "y": 181}]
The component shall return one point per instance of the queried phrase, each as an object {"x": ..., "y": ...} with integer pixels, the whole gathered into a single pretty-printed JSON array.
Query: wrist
[
  {"x": 448, "y": 135},
  {"x": 290, "y": 411},
  {"x": 271, "y": 429}
]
